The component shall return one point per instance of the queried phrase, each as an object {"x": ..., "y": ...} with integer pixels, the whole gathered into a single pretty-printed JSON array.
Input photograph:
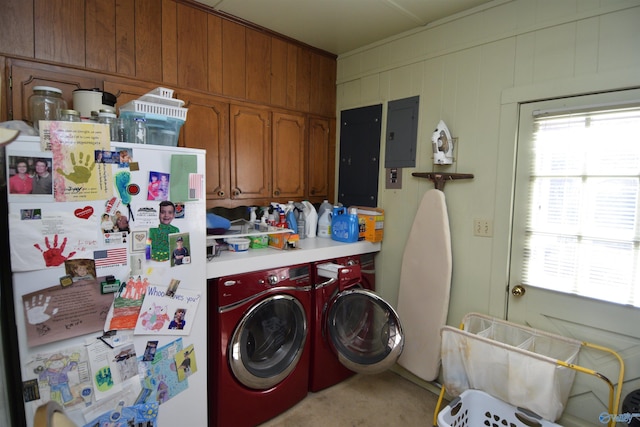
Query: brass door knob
[{"x": 518, "y": 291}]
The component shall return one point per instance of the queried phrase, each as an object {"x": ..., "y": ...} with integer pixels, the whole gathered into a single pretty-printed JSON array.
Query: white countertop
[{"x": 310, "y": 250}]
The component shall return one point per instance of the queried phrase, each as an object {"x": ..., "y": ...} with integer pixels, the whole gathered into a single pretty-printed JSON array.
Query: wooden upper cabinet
[
  {"x": 303, "y": 80},
  {"x": 234, "y": 64},
  {"x": 126, "y": 90},
  {"x": 16, "y": 21},
  {"x": 250, "y": 145},
  {"x": 207, "y": 127},
  {"x": 258, "y": 66},
  {"x": 289, "y": 155},
  {"x": 320, "y": 159},
  {"x": 100, "y": 36},
  {"x": 148, "y": 39},
  {"x": 192, "y": 47},
  {"x": 322, "y": 96},
  {"x": 59, "y": 31},
  {"x": 26, "y": 75}
]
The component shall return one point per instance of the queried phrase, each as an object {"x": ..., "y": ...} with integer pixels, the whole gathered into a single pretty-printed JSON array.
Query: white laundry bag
[{"x": 513, "y": 363}]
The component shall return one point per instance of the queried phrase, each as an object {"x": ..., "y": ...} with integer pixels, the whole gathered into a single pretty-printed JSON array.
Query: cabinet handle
[
  {"x": 276, "y": 193},
  {"x": 221, "y": 193},
  {"x": 236, "y": 192}
]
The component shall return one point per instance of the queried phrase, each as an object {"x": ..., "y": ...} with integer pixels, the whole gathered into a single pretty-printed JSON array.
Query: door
[
  {"x": 268, "y": 342},
  {"x": 250, "y": 153},
  {"x": 568, "y": 307},
  {"x": 320, "y": 159},
  {"x": 289, "y": 154},
  {"x": 359, "y": 156},
  {"x": 364, "y": 331}
]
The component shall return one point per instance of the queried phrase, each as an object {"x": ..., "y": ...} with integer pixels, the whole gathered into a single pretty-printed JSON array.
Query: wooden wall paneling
[
  {"x": 148, "y": 33},
  {"x": 126, "y": 90},
  {"x": 323, "y": 85},
  {"x": 4, "y": 113},
  {"x": 100, "y": 35},
  {"x": 192, "y": 48},
  {"x": 233, "y": 59},
  {"x": 258, "y": 58},
  {"x": 214, "y": 55},
  {"x": 292, "y": 74},
  {"x": 303, "y": 79},
  {"x": 59, "y": 31},
  {"x": 278, "y": 72},
  {"x": 169, "y": 42},
  {"x": 16, "y": 22},
  {"x": 125, "y": 38}
]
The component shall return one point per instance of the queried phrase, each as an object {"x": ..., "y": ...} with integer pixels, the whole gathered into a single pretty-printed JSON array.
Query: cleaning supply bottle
[
  {"x": 344, "y": 226},
  {"x": 252, "y": 215},
  {"x": 311, "y": 219},
  {"x": 301, "y": 224},
  {"x": 324, "y": 224},
  {"x": 290, "y": 213},
  {"x": 324, "y": 205}
]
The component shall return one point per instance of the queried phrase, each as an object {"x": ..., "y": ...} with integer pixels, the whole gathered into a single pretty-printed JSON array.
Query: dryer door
[
  {"x": 364, "y": 331},
  {"x": 268, "y": 342}
]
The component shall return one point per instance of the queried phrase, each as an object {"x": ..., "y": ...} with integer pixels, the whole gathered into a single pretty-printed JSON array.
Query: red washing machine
[
  {"x": 259, "y": 346},
  {"x": 353, "y": 329}
]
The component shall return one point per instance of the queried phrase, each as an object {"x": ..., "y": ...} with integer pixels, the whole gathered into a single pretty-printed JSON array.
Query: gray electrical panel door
[
  {"x": 359, "y": 156},
  {"x": 402, "y": 133}
]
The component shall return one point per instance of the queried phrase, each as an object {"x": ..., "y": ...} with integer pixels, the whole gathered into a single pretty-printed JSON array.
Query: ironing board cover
[{"x": 514, "y": 363}]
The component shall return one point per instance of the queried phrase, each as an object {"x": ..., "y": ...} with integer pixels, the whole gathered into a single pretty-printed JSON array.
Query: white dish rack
[{"x": 159, "y": 102}]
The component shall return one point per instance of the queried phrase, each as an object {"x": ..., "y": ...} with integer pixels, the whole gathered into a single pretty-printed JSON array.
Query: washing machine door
[
  {"x": 364, "y": 331},
  {"x": 268, "y": 342}
]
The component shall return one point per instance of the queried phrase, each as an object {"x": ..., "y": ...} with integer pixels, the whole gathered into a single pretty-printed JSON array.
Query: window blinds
[{"x": 583, "y": 224}]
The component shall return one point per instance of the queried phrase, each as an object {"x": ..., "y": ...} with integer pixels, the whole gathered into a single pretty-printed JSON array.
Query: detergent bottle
[
  {"x": 324, "y": 205},
  {"x": 324, "y": 224},
  {"x": 344, "y": 225},
  {"x": 311, "y": 219}
]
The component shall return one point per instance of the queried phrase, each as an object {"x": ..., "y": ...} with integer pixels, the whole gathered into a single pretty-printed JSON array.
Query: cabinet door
[
  {"x": 250, "y": 153},
  {"x": 26, "y": 75},
  {"x": 289, "y": 154},
  {"x": 128, "y": 90},
  {"x": 207, "y": 127},
  {"x": 321, "y": 159}
]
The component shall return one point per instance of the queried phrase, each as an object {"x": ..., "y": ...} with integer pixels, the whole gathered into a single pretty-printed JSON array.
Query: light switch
[{"x": 393, "y": 178}]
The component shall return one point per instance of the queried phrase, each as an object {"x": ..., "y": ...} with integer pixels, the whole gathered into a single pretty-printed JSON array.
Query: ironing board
[{"x": 425, "y": 282}]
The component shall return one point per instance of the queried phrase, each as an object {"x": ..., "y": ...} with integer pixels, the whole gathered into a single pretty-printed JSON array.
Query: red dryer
[
  {"x": 259, "y": 345},
  {"x": 352, "y": 329}
]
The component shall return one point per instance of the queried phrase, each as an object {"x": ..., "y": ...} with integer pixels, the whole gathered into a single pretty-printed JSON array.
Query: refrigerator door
[{"x": 104, "y": 225}]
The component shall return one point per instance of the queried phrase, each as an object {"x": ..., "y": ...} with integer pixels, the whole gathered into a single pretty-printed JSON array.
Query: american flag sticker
[
  {"x": 110, "y": 257},
  {"x": 195, "y": 186}
]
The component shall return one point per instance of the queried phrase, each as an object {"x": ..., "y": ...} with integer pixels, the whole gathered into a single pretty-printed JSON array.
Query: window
[{"x": 582, "y": 231}]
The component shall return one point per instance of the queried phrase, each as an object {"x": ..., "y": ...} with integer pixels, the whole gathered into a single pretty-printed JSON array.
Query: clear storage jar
[
  {"x": 69, "y": 116},
  {"x": 45, "y": 104},
  {"x": 109, "y": 119}
]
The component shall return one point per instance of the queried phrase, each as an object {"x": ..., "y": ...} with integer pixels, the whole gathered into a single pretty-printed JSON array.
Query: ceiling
[{"x": 339, "y": 26}]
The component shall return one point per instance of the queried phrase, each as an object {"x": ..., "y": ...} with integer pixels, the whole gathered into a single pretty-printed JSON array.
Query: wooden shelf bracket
[{"x": 439, "y": 178}]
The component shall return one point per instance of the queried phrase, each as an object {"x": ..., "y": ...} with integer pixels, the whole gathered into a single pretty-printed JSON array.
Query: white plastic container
[
  {"x": 311, "y": 219},
  {"x": 324, "y": 224},
  {"x": 238, "y": 244}
]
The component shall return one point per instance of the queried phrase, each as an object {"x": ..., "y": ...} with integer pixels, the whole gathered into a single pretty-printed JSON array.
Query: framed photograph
[
  {"x": 29, "y": 176},
  {"x": 138, "y": 241}
]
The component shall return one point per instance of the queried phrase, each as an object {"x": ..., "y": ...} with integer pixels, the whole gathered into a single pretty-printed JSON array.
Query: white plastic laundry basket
[{"x": 475, "y": 408}]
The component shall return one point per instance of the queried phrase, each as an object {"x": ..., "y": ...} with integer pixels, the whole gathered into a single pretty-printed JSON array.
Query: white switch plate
[{"x": 482, "y": 227}]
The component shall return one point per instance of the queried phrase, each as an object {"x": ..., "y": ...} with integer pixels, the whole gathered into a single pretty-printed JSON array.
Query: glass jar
[
  {"x": 109, "y": 119},
  {"x": 69, "y": 116},
  {"x": 45, "y": 104},
  {"x": 139, "y": 134}
]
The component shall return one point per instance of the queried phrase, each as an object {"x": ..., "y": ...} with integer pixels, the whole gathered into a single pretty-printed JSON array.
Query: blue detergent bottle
[{"x": 344, "y": 226}]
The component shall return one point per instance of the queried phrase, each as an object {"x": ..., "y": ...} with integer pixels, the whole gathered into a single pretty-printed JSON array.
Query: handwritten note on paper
[
  {"x": 76, "y": 175},
  {"x": 57, "y": 313}
]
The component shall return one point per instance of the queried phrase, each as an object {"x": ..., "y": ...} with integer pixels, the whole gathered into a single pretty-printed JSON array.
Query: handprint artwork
[
  {"x": 81, "y": 172},
  {"x": 53, "y": 255},
  {"x": 37, "y": 309}
]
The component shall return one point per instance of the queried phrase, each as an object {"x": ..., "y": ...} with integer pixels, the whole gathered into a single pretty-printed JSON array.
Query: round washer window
[
  {"x": 268, "y": 342},
  {"x": 365, "y": 331}
]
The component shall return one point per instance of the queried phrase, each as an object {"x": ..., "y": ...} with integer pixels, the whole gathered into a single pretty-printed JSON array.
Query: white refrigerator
[{"x": 108, "y": 262}]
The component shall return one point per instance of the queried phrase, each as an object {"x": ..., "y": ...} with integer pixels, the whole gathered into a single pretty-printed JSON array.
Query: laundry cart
[{"x": 511, "y": 374}]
